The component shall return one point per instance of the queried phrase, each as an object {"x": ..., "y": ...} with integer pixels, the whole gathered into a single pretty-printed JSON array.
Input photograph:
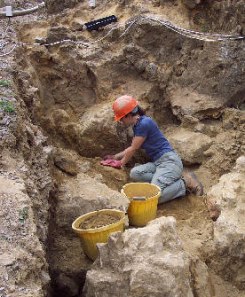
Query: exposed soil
[
  {"x": 98, "y": 220},
  {"x": 59, "y": 97}
]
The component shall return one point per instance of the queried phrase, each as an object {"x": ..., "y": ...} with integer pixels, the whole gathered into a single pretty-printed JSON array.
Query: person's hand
[{"x": 112, "y": 163}]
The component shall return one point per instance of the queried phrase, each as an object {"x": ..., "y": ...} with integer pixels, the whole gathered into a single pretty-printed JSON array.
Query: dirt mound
[{"x": 56, "y": 124}]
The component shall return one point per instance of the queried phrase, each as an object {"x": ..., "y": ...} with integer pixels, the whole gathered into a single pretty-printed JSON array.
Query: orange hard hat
[{"x": 123, "y": 105}]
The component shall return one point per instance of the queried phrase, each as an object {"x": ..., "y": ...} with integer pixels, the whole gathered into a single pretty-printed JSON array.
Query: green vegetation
[
  {"x": 204, "y": 28},
  {"x": 23, "y": 215},
  {"x": 6, "y": 106},
  {"x": 4, "y": 83}
]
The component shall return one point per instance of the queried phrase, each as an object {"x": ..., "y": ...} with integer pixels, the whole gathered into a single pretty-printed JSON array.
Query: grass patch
[
  {"x": 7, "y": 106},
  {"x": 4, "y": 83}
]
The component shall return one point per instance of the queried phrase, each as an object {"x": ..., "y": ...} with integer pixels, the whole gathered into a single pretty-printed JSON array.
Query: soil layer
[{"x": 98, "y": 220}]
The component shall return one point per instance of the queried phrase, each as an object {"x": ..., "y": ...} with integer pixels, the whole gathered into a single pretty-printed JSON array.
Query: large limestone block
[
  {"x": 94, "y": 133},
  {"x": 141, "y": 262},
  {"x": 83, "y": 194},
  {"x": 65, "y": 161},
  {"x": 229, "y": 229},
  {"x": 190, "y": 145},
  {"x": 99, "y": 133},
  {"x": 188, "y": 102}
]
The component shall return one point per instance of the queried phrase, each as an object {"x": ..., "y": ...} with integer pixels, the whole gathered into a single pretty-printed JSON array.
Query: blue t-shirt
[{"x": 155, "y": 144}]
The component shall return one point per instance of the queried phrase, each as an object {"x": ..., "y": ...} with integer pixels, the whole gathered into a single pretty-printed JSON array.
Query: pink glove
[{"x": 112, "y": 163}]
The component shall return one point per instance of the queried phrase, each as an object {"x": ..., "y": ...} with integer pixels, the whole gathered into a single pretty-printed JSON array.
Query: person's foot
[{"x": 193, "y": 185}]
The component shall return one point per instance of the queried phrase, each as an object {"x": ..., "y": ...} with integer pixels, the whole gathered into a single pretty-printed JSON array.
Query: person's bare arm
[
  {"x": 129, "y": 152},
  {"x": 119, "y": 156}
]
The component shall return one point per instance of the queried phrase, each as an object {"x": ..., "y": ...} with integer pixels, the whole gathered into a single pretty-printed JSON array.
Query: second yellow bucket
[
  {"x": 90, "y": 237},
  {"x": 143, "y": 202}
]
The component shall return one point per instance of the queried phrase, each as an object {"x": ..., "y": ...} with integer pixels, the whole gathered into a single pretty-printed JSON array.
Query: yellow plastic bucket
[
  {"x": 143, "y": 202},
  {"x": 90, "y": 237}
]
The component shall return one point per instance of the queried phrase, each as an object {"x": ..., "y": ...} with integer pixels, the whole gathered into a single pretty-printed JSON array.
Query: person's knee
[
  {"x": 162, "y": 182},
  {"x": 161, "y": 199},
  {"x": 134, "y": 174}
]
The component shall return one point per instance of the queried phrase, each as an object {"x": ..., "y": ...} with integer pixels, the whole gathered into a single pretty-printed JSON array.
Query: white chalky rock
[{"x": 141, "y": 262}]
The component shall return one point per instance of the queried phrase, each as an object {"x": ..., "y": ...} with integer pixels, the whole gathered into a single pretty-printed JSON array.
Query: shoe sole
[{"x": 198, "y": 182}]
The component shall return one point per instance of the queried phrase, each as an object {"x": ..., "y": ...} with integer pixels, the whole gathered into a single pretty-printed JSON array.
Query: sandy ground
[{"x": 193, "y": 222}]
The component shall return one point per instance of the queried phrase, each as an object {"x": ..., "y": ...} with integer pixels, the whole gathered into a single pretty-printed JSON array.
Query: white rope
[
  {"x": 210, "y": 37},
  {"x": 130, "y": 26},
  {"x": 193, "y": 34},
  {"x": 65, "y": 41},
  {"x": 108, "y": 33},
  {"x": 85, "y": 44},
  {"x": 184, "y": 32}
]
